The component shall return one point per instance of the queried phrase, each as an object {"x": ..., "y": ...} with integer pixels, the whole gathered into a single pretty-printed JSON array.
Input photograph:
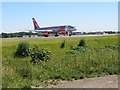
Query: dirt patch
[{"x": 110, "y": 81}]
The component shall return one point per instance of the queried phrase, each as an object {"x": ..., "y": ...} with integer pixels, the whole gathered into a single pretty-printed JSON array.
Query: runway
[{"x": 73, "y": 36}]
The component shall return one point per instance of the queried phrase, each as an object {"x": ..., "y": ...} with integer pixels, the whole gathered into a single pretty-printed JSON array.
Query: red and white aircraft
[{"x": 55, "y": 30}]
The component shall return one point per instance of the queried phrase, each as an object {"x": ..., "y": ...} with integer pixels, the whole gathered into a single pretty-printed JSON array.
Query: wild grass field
[{"x": 98, "y": 58}]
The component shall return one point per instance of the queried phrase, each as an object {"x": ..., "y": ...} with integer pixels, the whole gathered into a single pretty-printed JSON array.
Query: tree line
[{"x": 19, "y": 34}]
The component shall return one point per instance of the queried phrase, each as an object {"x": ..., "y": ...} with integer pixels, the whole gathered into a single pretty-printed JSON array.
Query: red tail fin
[{"x": 35, "y": 24}]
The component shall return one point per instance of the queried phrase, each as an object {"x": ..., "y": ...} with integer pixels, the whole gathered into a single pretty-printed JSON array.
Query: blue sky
[{"x": 86, "y": 16}]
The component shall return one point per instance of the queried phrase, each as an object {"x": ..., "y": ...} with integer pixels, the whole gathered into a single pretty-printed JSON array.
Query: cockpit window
[{"x": 70, "y": 27}]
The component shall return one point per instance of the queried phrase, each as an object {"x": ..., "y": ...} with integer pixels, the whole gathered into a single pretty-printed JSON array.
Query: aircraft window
[{"x": 70, "y": 27}]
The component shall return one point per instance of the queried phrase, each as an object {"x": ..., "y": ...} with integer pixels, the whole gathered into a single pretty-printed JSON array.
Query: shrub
[
  {"x": 23, "y": 49},
  {"x": 82, "y": 43},
  {"x": 39, "y": 54},
  {"x": 62, "y": 44}
]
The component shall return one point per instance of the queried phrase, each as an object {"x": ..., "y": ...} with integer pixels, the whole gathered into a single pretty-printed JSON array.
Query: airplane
[{"x": 54, "y": 30}]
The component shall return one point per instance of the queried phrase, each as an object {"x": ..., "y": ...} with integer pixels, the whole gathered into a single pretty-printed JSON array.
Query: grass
[{"x": 95, "y": 60}]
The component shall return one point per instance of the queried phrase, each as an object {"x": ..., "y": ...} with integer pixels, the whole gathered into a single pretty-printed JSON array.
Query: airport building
[{"x": 27, "y": 36}]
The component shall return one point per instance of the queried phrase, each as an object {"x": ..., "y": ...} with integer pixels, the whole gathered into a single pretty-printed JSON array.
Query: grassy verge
[{"x": 99, "y": 58}]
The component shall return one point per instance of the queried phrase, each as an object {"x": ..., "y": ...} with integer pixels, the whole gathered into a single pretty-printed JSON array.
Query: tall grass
[{"x": 99, "y": 58}]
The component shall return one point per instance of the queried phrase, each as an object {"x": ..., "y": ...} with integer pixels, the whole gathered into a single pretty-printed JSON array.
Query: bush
[
  {"x": 82, "y": 43},
  {"x": 62, "y": 44},
  {"x": 39, "y": 54},
  {"x": 23, "y": 49}
]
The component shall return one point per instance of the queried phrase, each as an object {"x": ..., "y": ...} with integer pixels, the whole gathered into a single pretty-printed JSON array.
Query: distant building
[
  {"x": 27, "y": 36},
  {"x": 99, "y": 32},
  {"x": 110, "y": 32},
  {"x": 77, "y": 33},
  {"x": 33, "y": 35},
  {"x": 105, "y": 33}
]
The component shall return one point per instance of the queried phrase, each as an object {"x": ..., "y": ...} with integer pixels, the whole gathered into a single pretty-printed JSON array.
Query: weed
[
  {"x": 62, "y": 44},
  {"x": 82, "y": 43}
]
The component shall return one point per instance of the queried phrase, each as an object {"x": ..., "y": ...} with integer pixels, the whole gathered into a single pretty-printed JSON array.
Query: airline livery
[{"x": 54, "y": 30}]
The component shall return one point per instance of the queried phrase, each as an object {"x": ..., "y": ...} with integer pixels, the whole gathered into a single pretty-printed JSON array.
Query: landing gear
[
  {"x": 46, "y": 35},
  {"x": 56, "y": 35},
  {"x": 69, "y": 33}
]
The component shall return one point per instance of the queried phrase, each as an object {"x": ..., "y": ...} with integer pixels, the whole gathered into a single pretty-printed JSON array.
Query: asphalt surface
[{"x": 73, "y": 36}]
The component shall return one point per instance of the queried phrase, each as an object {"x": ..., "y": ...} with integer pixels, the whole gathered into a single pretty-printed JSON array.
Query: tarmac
[{"x": 73, "y": 36}]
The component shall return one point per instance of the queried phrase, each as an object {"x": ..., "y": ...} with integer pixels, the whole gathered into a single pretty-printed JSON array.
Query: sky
[{"x": 85, "y": 16}]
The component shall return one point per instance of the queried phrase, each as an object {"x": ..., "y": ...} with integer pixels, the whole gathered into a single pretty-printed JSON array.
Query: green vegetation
[
  {"x": 82, "y": 43},
  {"x": 23, "y": 50},
  {"x": 19, "y": 34},
  {"x": 62, "y": 44},
  {"x": 99, "y": 58},
  {"x": 38, "y": 53}
]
